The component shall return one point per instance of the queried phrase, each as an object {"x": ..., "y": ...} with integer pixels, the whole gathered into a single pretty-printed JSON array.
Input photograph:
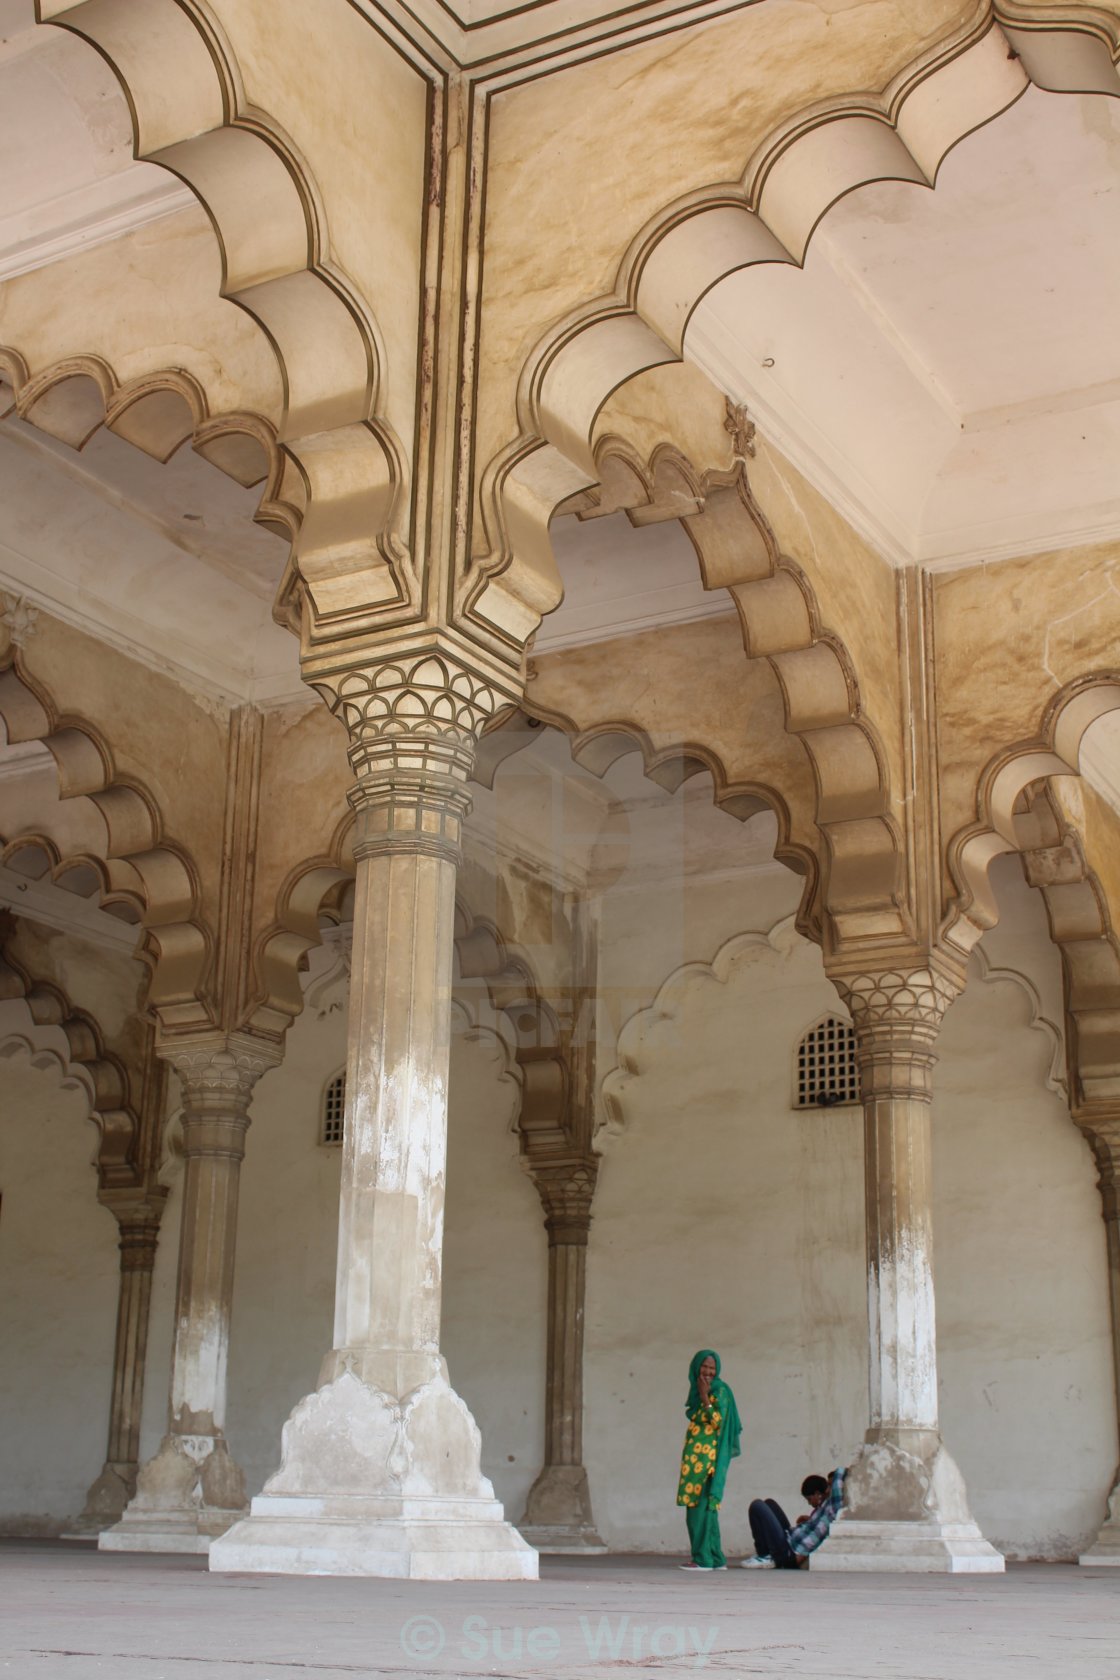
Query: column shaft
[
  {"x": 391, "y": 1209},
  {"x": 381, "y": 1471},
  {"x": 906, "y": 1508},
  {"x": 558, "y": 1516},
  {"x": 193, "y": 1489},
  {"x": 115, "y": 1486}
]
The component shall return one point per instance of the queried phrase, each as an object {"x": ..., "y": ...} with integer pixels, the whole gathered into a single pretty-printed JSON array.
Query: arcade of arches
[{"x": 548, "y": 551}]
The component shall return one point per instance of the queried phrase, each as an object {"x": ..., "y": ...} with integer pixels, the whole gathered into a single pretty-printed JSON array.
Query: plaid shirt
[{"x": 806, "y": 1536}]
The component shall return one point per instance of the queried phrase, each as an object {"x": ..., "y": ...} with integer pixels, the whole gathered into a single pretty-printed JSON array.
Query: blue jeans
[{"x": 770, "y": 1527}]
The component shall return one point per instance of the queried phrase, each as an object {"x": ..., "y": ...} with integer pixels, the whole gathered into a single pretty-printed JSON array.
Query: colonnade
[{"x": 380, "y": 1470}]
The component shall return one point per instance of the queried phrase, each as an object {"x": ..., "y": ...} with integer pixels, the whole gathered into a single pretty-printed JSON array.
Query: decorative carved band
[
  {"x": 566, "y": 1190},
  {"x": 414, "y": 725},
  {"x": 218, "y": 1074},
  {"x": 897, "y": 1014},
  {"x": 138, "y": 1243}
]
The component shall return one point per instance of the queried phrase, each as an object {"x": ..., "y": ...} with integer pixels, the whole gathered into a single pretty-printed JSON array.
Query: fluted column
[
  {"x": 138, "y": 1221},
  {"x": 558, "y": 1515},
  {"x": 906, "y": 1506},
  {"x": 381, "y": 1467},
  {"x": 193, "y": 1488},
  {"x": 1101, "y": 1124}
]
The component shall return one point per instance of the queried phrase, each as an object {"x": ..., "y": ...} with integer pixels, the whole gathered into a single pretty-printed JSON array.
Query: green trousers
[{"x": 703, "y": 1533}]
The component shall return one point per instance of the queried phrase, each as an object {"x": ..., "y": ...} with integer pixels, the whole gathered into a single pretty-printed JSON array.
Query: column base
[
  {"x": 187, "y": 1495},
  {"x": 1105, "y": 1550},
  {"x": 558, "y": 1513},
  {"x": 404, "y": 1539},
  {"x": 906, "y": 1511},
  {"x": 105, "y": 1502},
  {"x": 856, "y": 1546},
  {"x": 374, "y": 1484}
]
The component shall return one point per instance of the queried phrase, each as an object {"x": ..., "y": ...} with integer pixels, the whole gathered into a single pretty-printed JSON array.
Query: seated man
[{"x": 777, "y": 1544}]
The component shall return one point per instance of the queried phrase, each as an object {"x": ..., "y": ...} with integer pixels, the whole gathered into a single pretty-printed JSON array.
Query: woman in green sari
[{"x": 711, "y": 1443}]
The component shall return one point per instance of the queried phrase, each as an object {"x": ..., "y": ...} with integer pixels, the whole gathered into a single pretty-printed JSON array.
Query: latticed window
[
  {"x": 331, "y": 1125},
  {"x": 826, "y": 1074}
]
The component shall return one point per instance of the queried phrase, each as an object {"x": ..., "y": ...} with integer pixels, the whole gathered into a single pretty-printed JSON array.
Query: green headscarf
[{"x": 731, "y": 1428}]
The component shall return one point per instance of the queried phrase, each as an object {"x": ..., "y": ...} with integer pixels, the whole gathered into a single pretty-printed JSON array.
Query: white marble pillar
[
  {"x": 138, "y": 1221},
  {"x": 906, "y": 1508},
  {"x": 558, "y": 1516},
  {"x": 1101, "y": 1124},
  {"x": 381, "y": 1470},
  {"x": 193, "y": 1488}
]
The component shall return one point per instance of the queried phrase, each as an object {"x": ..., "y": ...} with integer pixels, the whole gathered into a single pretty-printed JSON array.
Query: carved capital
[
  {"x": 138, "y": 1243},
  {"x": 566, "y": 1190},
  {"x": 218, "y": 1073},
  {"x": 414, "y": 724},
  {"x": 897, "y": 1014},
  {"x": 138, "y": 1219}
]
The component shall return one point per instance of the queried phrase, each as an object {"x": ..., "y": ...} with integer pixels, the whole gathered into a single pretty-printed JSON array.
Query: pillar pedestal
[
  {"x": 905, "y": 1506},
  {"x": 1100, "y": 1121},
  {"x": 381, "y": 1468},
  {"x": 193, "y": 1488}
]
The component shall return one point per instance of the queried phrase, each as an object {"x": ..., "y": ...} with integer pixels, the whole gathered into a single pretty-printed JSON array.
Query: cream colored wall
[
  {"x": 725, "y": 1219},
  {"x": 58, "y": 1300},
  {"x": 1024, "y": 1337},
  {"x": 722, "y": 1218}
]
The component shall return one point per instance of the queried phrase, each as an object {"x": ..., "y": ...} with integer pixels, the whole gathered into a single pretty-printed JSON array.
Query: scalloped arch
[
  {"x": 73, "y": 398},
  {"x": 137, "y": 865},
  {"x": 42, "y": 1018},
  {"x": 191, "y": 116},
  {"x": 1017, "y": 813},
  {"x": 787, "y": 187},
  {"x": 596, "y": 745},
  {"x": 666, "y": 1003},
  {"x": 860, "y": 881}
]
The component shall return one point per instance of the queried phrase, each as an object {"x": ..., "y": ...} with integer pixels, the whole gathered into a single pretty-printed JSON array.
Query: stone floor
[{"x": 69, "y": 1613}]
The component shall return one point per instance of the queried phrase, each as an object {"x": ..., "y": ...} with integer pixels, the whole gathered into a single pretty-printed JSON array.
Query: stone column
[
  {"x": 558, "y": 1514},
  {"x": 381, "y": 1468},
  {"x": 1101, "y": 1124},
  {"x": 138, "y": 1221},
  {"x": 906, "y": 1507},
  {"x": 193, "y": 1488}
]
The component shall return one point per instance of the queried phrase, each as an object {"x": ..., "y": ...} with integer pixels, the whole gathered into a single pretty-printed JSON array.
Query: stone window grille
[
  {"x": 333, "y": 1117},
  {"x": 826, "y": 1074}
]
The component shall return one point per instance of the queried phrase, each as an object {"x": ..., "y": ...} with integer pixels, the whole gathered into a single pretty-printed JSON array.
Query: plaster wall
[
  {"x": 722, "y": 1218},
  {"x": 725, "y": 1219},
  {"x": 58, "y": 1299}
]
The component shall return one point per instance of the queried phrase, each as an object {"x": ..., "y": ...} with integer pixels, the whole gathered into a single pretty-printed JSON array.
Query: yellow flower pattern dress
[
  {"x": 699, "y": 1458},
  {"x": 711, "y": 1443}
]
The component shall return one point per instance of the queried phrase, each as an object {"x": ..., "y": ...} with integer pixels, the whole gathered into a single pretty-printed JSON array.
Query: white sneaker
[
  {"x": 696, "y": 1568},
  {"x": 757, "y": 1563}
]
